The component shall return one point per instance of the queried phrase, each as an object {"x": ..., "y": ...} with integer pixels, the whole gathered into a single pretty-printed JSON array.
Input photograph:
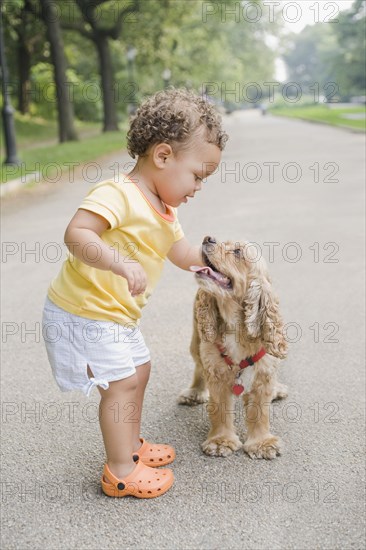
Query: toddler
[{"x": 117, "y": 243}]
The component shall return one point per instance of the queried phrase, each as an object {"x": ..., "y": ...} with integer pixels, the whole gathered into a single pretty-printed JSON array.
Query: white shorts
[{"x": 112, "y": 350}]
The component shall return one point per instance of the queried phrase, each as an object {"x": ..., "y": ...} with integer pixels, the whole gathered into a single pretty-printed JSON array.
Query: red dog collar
[{"x": 247, "y": 362}]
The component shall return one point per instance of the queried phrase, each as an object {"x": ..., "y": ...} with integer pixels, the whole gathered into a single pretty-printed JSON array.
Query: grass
[
  {"x": 324, "y": 114},
  {"x": 30, "y": 129},
  {"x": 36, "y": 154}
]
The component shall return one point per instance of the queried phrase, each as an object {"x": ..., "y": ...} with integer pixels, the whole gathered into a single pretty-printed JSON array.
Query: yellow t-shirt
[{"x": 137, "y": 231}]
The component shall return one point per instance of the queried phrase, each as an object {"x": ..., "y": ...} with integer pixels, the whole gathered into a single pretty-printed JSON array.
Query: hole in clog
[
  {"x": 149, "y": 492},
  {"x": 159, "y": 489},
  {"x": 169, "y": 456},
  {"x": 140, "y": 492},
  {"x": 160, "y": 460}
]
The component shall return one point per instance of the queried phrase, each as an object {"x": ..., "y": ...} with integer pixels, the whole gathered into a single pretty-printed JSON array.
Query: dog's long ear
[
  {"x": 254, "y": 309},
  {"x": 262, "y": 317},
  {"x": 207, "y": 316}
]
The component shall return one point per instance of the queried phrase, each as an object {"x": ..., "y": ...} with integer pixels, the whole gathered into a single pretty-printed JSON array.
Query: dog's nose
[{"x": 209, "y": 240}]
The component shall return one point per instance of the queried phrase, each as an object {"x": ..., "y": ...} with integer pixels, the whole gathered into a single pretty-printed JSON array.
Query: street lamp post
[
  {"x": 7, "y": 111},
  {"x": 166, "y": 75},
  {"x": 131, "y": 54}
]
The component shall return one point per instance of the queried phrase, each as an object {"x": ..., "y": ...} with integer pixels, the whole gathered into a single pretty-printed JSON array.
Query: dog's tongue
[
  {"x": 205, "y": 269},
  {"x": 210, "y": 272}
]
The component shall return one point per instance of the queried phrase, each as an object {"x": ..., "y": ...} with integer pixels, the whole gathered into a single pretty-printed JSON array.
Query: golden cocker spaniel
[{"x": 237, "y": 345}]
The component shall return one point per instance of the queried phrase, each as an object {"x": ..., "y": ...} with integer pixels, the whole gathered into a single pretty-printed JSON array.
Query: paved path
[{"x": 310, "y": 497}]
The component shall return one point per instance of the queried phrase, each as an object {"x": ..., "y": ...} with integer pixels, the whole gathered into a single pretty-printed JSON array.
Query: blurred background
[{"x": 75, "y": 70}]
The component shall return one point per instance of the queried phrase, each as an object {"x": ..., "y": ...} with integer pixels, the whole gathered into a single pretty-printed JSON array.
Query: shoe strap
[
  {"x": 115, "y": 480},
  {"x": 142, "y": 448}
]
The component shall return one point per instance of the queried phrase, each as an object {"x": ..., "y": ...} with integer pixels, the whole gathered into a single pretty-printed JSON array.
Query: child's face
[{"x": 184, "y": 171}]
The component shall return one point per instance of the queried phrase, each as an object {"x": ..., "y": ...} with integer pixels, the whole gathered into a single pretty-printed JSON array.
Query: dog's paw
[
  {"x": 267, "y": 448},
  {"x": 191, "y": 396},
  {"x": 280, "y": 391},
  {"x": 221, "y": 446}
]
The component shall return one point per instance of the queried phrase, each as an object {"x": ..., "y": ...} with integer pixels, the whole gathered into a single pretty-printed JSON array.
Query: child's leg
[
  {"x": 117, "y": 430},
  {"x": 143, "y": 374}
]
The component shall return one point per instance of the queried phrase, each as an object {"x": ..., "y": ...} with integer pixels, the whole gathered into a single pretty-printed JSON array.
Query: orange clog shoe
[
  {"x": 142, "y": 482},
  {"x": 154, "y": 454}
]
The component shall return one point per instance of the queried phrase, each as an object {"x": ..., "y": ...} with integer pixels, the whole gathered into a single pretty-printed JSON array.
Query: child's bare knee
[{"x": 117, "y": 387}]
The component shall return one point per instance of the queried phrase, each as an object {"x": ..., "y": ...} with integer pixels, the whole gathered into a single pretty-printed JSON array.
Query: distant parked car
[{"x": 359, "y": 100}]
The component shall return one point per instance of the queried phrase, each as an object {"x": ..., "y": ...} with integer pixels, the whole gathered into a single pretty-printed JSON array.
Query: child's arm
[
  {"x": 85, "y": 228},
  {"x": 183, "y": 254}
]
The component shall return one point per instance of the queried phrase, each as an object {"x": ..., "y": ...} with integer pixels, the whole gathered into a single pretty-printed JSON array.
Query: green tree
[
  {"x": 331, "y": 52},
  {"x": 102, "y": 21},
  {"x": 65, "y": 109},
  {"x": 223, "y": 50},
  {"x": 227, "y": 51},
  {"x": 310, "y": 55},
  {"x": 26, "y": 36},
  {"x": 349, "y": 61}
]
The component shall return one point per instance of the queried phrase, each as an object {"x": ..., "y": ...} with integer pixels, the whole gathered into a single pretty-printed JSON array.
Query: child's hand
[{"x": 133, "y": 272}]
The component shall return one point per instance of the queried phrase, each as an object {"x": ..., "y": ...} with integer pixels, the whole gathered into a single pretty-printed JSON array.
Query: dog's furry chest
[{"x": 237, "y": 354}]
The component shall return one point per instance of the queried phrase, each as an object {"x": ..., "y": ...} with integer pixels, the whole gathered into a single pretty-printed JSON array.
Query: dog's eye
[{"x": 237, "y": 251}]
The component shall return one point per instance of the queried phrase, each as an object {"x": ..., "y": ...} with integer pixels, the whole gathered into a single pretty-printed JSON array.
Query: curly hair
[{"x": 174, "y": 116}]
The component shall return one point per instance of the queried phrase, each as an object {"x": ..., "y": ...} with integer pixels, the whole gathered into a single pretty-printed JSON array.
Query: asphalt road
[{"x": 299, "y": 188}]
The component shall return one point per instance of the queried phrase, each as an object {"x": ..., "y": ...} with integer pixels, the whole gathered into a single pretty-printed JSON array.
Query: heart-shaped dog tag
[{"x": 238, "y": 389}]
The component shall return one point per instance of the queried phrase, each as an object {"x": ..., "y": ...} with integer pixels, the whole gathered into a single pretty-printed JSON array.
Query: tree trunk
[
  {"x": 24, "y": 66},
  {"x": 107, "y": 80},
  {"x": 64, "y": 106}
]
